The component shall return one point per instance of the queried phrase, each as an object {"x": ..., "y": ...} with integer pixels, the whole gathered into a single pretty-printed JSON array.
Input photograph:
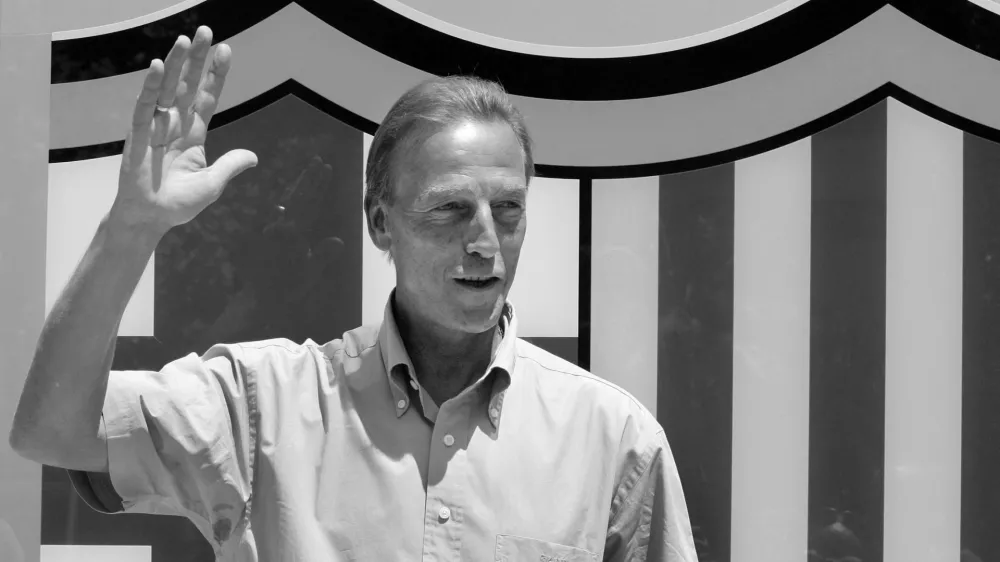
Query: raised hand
[{"x": 165, "y": 180}]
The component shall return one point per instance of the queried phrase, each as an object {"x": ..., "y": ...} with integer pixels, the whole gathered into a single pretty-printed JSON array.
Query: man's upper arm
[
  {"x": 649, "y": 518},
  {"x": 179, "y": 441}
]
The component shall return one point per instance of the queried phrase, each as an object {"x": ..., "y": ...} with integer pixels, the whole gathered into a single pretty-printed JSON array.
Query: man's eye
[
  {"x": 449, "y": 207},
  {"x": 509, "y": 205}
]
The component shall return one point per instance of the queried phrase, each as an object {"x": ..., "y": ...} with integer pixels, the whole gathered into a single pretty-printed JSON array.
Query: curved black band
[
  {"x": 396, "y": 36},
  {"x": 222, "y": 118}
]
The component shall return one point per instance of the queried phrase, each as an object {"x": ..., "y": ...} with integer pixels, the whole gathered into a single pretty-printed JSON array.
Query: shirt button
[
  {"x": 494, "y": 413},
  {"x": 413, "y": 384},
  {"x": 449, "y": 440},
  {"x": 444, "y": 513},
  {"x": 401, "y": 404}
]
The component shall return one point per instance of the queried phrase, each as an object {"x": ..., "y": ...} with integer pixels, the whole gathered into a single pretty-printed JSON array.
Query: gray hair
[{"x": 435, "y": 104}]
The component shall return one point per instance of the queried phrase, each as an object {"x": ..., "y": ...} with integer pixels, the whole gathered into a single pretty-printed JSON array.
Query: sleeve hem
[{"x": 95, "y": 488}]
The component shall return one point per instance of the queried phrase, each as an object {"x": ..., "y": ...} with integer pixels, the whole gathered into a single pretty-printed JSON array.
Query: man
[{"x": 437, "y": 435}]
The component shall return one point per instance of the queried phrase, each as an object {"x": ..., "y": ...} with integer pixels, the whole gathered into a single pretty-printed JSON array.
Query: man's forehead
[
  {"x": 459, "y": 181},
  {"x": 456, "y": 185}
]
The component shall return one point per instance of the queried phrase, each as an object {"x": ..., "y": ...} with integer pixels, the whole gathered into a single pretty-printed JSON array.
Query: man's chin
[{"x": 476, "y": 320}]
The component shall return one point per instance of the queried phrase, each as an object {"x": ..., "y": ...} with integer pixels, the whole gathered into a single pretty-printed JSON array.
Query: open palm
[{"x": 165, "y": 179}]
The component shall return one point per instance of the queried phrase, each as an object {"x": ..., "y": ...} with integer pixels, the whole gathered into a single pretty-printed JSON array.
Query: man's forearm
[{"x": 58, "y": 415}]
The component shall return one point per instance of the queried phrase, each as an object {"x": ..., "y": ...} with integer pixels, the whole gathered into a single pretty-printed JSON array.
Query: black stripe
[
  {"x": 394, "y": 35},
  {"x": 566, "y": 348},
  {"x": 695, "y": 350},
  {"x": 847, "y": 337},
  {"x": 980, "y": 352},
  {"x": 583, "y": 309},
  {"x": 961, "y": 21},
  {"x": 701, "y": 66},
  {"x": 132, "y": 49},
  {"x": 235, "y": 113}
]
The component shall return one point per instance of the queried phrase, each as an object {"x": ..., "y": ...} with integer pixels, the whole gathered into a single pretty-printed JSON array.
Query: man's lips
[{"x": 478, "y": 281}]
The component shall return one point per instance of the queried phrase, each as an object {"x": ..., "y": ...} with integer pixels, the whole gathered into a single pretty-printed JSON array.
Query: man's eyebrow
[
  {"x": 518, "y": 191},
  {"x": 443, "y": 190}
]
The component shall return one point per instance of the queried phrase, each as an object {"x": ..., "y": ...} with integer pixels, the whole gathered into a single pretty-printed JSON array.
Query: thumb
[{"x": 231, "y": 164}]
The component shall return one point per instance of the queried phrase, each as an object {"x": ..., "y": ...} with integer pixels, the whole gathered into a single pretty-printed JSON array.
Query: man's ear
[{"x": 378, "y": 225}]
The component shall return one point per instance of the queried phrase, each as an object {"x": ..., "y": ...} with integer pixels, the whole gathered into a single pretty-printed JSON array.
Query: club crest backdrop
[{"x": 775, "y": 223}]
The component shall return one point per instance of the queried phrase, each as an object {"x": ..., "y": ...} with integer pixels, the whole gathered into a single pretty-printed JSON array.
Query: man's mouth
[{"x": 478, "y": 282}]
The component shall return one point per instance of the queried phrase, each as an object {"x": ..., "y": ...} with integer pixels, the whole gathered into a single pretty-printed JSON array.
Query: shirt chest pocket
[{"x": 511, "y": 548}]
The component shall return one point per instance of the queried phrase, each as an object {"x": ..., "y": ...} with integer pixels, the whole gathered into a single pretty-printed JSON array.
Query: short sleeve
[{"x": 181, "y": 441}]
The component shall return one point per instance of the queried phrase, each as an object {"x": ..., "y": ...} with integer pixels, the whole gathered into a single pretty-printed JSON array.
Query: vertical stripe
[
  {"x": 695, "y": 352},
  {"x": 95, "y": 553},
  {"x": 771, "y": 355},
  {"x": 546, "y": 288},
  {"x": 981, "y": 352},
  {"x": 923, "y": 341},
  {"x": 566, "y": 348},
  {"x": 378, "y": 276},
  {"x": 847, "y": 338},
  {"x": 80, "y": 194},
  {"x": 24, "y": 136},
  {"x": 584, "y": 272},
  {"x": 623, "y": 313}
]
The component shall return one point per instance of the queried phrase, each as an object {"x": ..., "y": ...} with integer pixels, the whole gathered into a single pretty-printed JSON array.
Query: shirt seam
[
  {"x": 636, "y": 475},
  {"x": 347, "y": 353},
  {"x": 585, "y": 375},
  {"x": 254, "y": 426}
]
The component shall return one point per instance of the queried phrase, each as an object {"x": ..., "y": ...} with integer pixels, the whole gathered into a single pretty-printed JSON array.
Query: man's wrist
[{"x": 122, "y": 234}]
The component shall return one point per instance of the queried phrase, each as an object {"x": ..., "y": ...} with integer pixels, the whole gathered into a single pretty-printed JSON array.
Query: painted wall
[{"x": 793, "y": 264}]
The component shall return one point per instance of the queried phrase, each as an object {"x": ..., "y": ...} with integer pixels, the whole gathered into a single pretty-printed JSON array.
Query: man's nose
[{"x": 483, "y": 233}]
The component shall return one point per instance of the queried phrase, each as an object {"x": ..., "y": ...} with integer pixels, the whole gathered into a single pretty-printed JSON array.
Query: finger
[
  {"x": 211, "y": 89},
  {"x": 230, "y": 165},
  {"x": 145, "y": 105},
  {"x": 172, "y": 66},
  {"x": 193, "y": 69}
]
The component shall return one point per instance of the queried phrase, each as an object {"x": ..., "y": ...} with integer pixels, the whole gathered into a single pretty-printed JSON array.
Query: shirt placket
[{"x": 445, "y": 507}]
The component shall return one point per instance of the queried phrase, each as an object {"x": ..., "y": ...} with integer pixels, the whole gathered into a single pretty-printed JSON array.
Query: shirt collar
[{"x": 394, "y": 356}]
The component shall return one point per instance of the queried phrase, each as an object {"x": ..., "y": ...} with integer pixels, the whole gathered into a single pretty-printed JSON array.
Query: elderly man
[{"x": 438, "y": 435}]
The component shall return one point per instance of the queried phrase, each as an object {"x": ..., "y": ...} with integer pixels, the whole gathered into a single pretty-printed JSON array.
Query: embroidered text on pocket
[{"x": 512, "y": 548}]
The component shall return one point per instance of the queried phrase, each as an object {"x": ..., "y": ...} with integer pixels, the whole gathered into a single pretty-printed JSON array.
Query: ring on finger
[{"x": 162, "y": 108}]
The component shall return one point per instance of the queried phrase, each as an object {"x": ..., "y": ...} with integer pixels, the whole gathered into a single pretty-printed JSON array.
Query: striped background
[{"x": 811, "y": 325}]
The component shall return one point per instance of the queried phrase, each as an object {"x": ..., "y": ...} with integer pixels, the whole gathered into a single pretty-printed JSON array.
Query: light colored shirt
[{"x": 280, "y": 451}]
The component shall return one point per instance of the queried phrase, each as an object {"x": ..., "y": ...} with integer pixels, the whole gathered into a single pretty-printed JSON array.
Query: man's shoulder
[
  {"x": 352, "y": 343},
  {"x": 589, "y": 391},
  {"x": 279, "y": 355}
]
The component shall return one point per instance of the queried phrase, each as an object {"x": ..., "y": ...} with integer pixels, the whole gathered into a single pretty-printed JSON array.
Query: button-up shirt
[{"x": 279, "y": 451}]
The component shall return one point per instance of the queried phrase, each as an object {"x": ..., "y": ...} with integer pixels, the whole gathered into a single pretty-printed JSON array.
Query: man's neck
[{"x": 445, "y": 361}]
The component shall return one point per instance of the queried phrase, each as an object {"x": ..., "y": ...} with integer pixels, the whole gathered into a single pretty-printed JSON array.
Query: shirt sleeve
[
  {"x": 181, "y": 441},
  {"x": 649, "y": 518}
]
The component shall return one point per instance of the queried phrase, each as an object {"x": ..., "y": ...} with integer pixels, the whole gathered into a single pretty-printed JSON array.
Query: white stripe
[
  {"x": 624, "y": 284},
  {"x": 577, "y": 52},
  {"x": 80, "y": 195},
  {"x": 24, "y": 78},
  {"x": 887, "y": 47},
  {"x": 127, "y": 24},
  {"x": 95, "y": 553},
  {"x": 771, "y": 276},
  {"x": 378, "y": 276},
  {"x": 546, "y": 289},
  {"x": 923, "y": 347}
]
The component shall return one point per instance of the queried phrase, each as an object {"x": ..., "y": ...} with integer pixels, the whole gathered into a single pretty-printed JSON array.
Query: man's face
[{"x": 456, "y": 224}]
